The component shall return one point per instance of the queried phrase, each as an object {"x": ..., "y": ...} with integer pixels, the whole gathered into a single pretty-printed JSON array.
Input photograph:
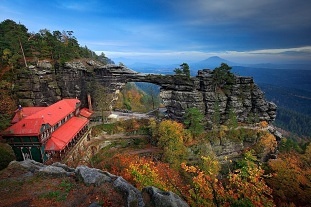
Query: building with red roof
[{"x": 41, "y": 132}]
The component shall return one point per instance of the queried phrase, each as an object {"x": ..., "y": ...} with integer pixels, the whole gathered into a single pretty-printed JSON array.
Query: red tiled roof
[
  {"x": 26, "y": 111},
  {"x": 25, "y": 127},
  {"x": 86, "y": 112},
  {"x": 63, "y": 135},
  {"x": 56, "y": 112},
  {"x": 51, "y": 115}
]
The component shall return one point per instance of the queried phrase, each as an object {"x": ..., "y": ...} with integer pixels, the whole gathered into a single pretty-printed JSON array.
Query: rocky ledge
[
  {"x": 34, "y": 173},
  {"x": 45, "y": 84}
]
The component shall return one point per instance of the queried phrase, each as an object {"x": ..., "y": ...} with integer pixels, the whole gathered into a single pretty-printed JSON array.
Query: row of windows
[{"x": 45, "y": 135}]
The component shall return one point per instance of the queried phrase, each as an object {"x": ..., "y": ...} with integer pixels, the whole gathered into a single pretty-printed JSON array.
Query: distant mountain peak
[
  {"x": 215, "y": 59},
  {"x": 212, "y": 62}
]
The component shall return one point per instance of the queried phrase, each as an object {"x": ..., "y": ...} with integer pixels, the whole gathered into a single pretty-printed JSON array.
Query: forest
[
  {"x": 204, "y": 180},
  {"x": 290, "y": 90},
  {"x": 184, "y": 156},
  {"x": 20, "y": 49}
]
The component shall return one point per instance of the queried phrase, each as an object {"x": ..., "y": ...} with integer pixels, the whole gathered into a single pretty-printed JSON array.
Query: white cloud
[
  {"x": 253, "y": 56},
  {"x": 306, "y": 49},
  {"x": 263, "y": 13}
]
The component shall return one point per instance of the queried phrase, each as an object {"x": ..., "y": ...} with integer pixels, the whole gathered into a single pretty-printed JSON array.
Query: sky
[{"x": 170, "y": 31}]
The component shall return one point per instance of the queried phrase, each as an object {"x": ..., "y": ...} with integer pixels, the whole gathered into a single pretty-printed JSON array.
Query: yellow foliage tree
[
  {"x": 145, "y": 173},
  {"x": 171, "y": 139},
  {"x": 244, "y": 187},
  {"x": 267, "y": 143}
]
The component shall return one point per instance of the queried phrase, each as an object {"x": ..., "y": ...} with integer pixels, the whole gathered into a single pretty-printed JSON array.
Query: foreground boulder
[
  {"x": 75, "y": 187},
  {"x": 161, "y": 198}
]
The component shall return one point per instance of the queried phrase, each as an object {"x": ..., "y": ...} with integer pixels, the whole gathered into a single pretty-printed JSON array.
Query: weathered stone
[
  {"x": 75, "y": 65},
  {"x": 26, "y": 102},
  {"x": 44, "y": 64},
  {"x": 95, "y": 204},
  {"x": 161, "y": 198},
  {"x": 57, "y": 169},
  {"x": 131, "y": 194},
  {"x": 31, "y": 165},
  {"x": 54, "y": 170},
  {"x": 278, "y": 135},
  {"x": 92, "y": 176},
  {"x": 65, "y": 167},
  {"x": 177, "y": 92},
  {"x": 25, "y": 94}
]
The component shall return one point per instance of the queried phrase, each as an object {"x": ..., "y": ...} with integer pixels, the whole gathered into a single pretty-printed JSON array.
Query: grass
[
  {"x": 13, "y": 185},
  {"x": 60, "y": 193},
  {"x": 54, "y": 195}
]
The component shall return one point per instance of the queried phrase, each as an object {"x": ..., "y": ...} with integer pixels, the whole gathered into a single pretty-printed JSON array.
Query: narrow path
[{"x": 120, "y": 136}]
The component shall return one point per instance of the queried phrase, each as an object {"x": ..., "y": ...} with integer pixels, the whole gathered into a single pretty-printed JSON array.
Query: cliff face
[
  {"x": 243, "y": 97},
  {"x": 43, "y": 85}
]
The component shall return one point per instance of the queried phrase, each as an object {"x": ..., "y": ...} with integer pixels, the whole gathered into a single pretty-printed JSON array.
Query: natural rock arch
[
  {"x": 41, "y": 87},
  {"x": 180, "y": 92}
]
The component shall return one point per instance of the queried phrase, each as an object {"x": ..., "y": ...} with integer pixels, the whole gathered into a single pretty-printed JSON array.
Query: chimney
[{"x": 89, "y": 102}]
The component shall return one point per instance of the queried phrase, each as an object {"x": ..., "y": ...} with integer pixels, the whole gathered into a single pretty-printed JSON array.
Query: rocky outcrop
[
  {"x": 149, "y": 196},
  {"x": 178, "y": 93},
  {"x": 243, "y": 97},
  {"x": 161, "y": 198},
  {"x": 43, "y": 85}
]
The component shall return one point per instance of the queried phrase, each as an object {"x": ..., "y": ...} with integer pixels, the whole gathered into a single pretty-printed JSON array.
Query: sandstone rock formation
[{"x": 41, "y": 86}]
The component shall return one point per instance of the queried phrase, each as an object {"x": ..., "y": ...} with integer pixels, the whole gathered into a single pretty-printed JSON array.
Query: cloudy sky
[{"x": 245, "y": 31}]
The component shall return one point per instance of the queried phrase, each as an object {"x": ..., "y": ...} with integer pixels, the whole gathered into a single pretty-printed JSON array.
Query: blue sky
[{"x": 245, "y": 31}]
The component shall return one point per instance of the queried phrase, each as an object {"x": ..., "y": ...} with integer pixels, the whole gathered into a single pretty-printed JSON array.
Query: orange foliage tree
[
  {"x": 243, "y": 187},
  {"x": 206, "y": 189},
  {"x": 247, "y": 186},
  {"x": 291, "y": 180},
  {"x": 143, "y": 172}
]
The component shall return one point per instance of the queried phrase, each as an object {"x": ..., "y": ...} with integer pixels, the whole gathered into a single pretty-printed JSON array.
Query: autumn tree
[
  {"x": 267, "y": 144},
  {"x": 246, "y": 184},
  {"x": 290, "y": 180},
  {"x": 243, "y": 187},
  {"x": 143, "y": 172},
  {"x": 206, "y": 189},
  {"x": 171, "y": 139}
]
